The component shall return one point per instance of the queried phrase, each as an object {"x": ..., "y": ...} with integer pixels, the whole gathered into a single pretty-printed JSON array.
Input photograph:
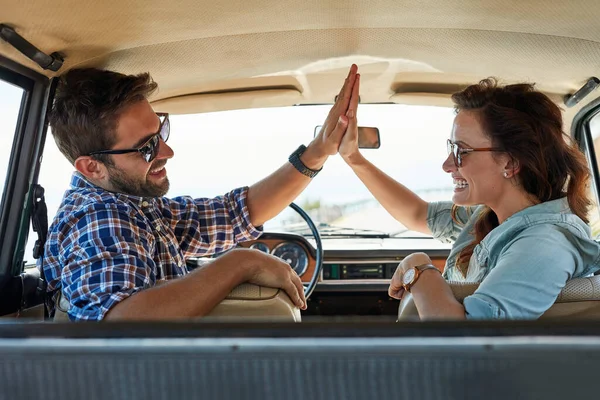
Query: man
[{"x": 115, "y": 236}]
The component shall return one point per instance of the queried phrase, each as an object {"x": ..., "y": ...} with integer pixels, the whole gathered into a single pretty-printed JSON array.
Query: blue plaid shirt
[{"x": 103, "y": 247}]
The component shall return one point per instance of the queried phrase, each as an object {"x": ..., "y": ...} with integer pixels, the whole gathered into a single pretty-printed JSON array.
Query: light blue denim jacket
[{"x": 524, "y": 263}]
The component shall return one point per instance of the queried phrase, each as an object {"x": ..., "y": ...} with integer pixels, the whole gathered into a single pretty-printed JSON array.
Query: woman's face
[{"x": 480, "y": 178}]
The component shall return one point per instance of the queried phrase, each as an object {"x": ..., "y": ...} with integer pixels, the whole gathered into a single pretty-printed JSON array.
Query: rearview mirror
[{"x": 368, "y": 137}]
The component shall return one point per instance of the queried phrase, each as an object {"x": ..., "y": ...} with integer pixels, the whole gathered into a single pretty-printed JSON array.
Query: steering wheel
[{"x": 310, "y": 286}]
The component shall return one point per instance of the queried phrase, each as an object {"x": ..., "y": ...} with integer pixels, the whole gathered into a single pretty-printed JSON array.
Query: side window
[
  {"x": 595, "y": 212},
  {"x": 10, "y": 106},
  {"x": 55, "y": 176}
]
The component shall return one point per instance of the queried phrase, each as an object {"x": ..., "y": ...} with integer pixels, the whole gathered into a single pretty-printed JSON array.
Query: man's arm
[
  {"x": 110, "y": 266},
  {"x": 268, "y": 197},
  {"x": 206, "y": 226},
  {"x": 197, "y": 293}
]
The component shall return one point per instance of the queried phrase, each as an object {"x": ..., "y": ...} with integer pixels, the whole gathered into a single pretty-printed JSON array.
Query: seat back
[
  {"x": 253, "y": 301},
  {"x": 245, "y": 301},
  {"x": 580, "y": 298}
]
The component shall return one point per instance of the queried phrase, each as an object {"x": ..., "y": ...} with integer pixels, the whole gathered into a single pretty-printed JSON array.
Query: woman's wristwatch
[
  {"x": 299, "y": 165},
  {"x": 411, "y": 275}
]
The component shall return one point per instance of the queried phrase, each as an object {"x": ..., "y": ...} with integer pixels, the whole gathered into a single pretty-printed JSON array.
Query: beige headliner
[{"x": 255, "y": 53}]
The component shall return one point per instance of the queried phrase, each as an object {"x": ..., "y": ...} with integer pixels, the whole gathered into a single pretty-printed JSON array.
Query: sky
[{"x": 10, "y": 103}]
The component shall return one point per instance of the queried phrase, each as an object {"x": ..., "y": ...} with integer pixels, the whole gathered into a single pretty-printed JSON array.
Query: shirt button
[
  {"x": 144, "y": 203},
  {"x": 157, "y": 228}
]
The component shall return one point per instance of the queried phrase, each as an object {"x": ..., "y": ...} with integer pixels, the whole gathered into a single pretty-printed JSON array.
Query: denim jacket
[{"x": 523, "y": 264}]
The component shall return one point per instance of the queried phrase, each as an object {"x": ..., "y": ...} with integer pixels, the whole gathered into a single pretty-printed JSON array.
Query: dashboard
[
  {"x": 356, "y": 271},
  {"x": 350, "y": 263},
  {"x": 294, "y": 249}
]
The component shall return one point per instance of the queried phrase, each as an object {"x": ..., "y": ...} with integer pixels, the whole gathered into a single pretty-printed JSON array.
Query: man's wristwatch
[
  {"x": 299, "y": 165},
  {"x": 411, "y": 276}
]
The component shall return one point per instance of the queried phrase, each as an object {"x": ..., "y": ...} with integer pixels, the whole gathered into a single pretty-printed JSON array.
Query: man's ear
[{"x": 90, "y": 168}]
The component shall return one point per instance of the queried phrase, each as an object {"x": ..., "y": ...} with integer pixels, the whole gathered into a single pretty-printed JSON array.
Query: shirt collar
[
  {"x": 557, "y": 206},
  {"x": 79, "y": 181}
]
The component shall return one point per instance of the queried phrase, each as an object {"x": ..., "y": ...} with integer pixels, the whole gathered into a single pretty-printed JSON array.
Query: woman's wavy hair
[{"x": 525, "y": 124}]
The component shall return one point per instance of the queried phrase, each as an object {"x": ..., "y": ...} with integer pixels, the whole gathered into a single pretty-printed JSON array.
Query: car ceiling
[{"x": 208, "y": 55}]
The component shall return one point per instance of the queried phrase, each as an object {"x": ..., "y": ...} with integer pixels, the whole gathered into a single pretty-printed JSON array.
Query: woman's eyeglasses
[
  {"x": 148, "y": 150},
  {"x": 458, "y": 152}
]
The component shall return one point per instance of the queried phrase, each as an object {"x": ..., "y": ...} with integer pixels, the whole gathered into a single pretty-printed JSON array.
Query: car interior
[{"x": 222, "y": 61}]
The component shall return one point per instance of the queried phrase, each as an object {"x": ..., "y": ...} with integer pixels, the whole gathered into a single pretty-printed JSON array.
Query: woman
[{"x": 518, "y": 215}]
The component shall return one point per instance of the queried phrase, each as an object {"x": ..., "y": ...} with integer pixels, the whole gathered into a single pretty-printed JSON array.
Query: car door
[{"x": 24, "y": 96}]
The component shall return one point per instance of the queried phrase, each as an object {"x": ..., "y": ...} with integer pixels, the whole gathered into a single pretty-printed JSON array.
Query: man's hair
[{"x": 87, "y": 106}]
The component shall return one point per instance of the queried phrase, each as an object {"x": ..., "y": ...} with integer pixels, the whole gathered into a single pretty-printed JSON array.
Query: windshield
[{"x": 215, "y": 152}]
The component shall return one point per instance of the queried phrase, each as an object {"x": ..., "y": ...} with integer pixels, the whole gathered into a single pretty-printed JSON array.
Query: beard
[{"x": 123, "y": 183}]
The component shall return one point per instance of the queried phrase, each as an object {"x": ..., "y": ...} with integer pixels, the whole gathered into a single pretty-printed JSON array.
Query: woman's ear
[
  {"x": 90, "y": 168},
  {"x": 511, "y": 167}
]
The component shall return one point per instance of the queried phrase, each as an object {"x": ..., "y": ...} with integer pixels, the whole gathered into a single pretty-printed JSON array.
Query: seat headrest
[{"x": 578, "y": 289}]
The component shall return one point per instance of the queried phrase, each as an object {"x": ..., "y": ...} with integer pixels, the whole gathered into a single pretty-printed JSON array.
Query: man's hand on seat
[
  {"x": 197, "y": 293},
  {"x": 271, "y": 271}
]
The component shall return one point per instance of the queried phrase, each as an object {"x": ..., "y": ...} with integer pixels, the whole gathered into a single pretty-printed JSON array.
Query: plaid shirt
[{"x": 103, "y": 247}]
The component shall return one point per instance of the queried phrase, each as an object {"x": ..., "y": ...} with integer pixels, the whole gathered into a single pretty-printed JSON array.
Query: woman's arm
[
  {"x": 525, "y": 281},
  {"x": 431, "y": 293},
  {"x": 403, "y": 204}
]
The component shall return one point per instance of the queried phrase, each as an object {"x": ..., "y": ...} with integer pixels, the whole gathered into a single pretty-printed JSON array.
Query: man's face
[{"x": 131, "y": 174}]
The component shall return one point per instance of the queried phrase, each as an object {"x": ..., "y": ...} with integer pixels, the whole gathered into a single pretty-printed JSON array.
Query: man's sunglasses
[
  {"x": 149, "y": 150},
  {"x": 458, "y": 151}
]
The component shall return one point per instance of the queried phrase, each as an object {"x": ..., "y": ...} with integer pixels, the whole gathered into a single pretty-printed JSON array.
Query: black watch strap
[{"x": 294, "y": 159}]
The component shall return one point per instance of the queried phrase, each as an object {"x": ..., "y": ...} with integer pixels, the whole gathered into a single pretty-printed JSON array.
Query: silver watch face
[{"x": 408, "y": 276}]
